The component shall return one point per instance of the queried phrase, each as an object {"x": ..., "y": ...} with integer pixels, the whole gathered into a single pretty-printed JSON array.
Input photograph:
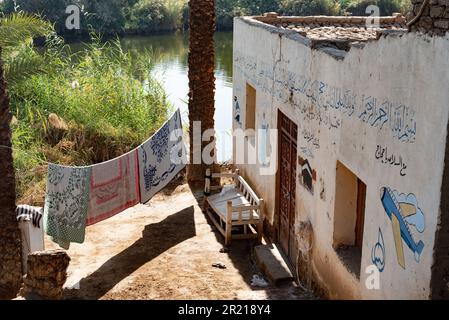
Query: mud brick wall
[
  {"x": 47, "y": 273},
  {"x": 435, "y": 17}
]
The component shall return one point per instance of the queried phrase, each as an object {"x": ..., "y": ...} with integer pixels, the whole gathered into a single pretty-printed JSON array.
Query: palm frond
[
  {"x": 19, "y": 28},
  {"x": 24, "y": 66}
]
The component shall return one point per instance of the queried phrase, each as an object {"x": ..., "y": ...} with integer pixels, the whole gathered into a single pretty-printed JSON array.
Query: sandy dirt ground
[{"x": 164, "y": 251}]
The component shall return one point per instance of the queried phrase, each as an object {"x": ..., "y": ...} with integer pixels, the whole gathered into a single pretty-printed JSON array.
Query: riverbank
[
  {"x": 84, "y": 108},
  {"x": 77, "y": 93}
]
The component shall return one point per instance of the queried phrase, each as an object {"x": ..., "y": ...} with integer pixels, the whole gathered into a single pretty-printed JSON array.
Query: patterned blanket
[
  {"x": 114, "y": 187},
  {"x": 66, "y": 204},
  {"x": 81, "y": 196},
  {"x": 161, "y": 158}
]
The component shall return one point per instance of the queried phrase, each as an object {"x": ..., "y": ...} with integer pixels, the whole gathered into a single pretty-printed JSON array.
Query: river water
[{"x": 171, "y": 69}]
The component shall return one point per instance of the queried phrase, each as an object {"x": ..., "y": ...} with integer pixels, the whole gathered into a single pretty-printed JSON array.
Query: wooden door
[
  {"x": 288, "y": 132},
  {"x": 360, "y": 222}
]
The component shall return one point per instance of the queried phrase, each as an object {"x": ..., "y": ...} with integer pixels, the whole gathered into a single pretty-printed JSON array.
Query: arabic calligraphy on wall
[
  {"x": 311, "y": 138},
  {"x": 383, "y": 156},
  {"x": 318, "y": 101}
]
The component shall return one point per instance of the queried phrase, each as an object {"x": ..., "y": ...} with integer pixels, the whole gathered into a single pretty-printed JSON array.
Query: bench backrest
[{"x": 247, "y": 191}]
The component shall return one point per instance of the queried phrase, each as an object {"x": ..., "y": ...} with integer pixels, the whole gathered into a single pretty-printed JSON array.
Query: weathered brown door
[
  {"x": 360, "y": 222},
  {"x": 288, "y": 132}
]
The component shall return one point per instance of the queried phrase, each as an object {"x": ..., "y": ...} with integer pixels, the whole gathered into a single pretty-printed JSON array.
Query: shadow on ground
[
  {"x": 241, "y": 253},
  {"x": 154, "y": 241}
]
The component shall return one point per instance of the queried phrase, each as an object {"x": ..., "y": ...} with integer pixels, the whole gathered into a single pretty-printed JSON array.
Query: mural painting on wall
[
  {"x": 264, "y": 142},
  {"x": 237, "y": 112},
  {"x": 378, "y": 252},
  {"x": 307, "y": 152},
  {"x": 391, "y": 159},
  {"x": 406, "y": 217},
  {"x": 307, "y": 176}
]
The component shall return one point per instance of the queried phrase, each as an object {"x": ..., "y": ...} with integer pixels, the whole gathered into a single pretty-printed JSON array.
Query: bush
[
  {"x": 156, "y": 15},
  {"x": 387, "y": 7},
  {"x": 309, "y": 7},
  {"x": 107, "y": 16}
]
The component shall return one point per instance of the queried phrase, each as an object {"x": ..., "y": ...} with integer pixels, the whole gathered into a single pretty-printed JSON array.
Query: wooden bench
[{"x": 237, "y": 205}]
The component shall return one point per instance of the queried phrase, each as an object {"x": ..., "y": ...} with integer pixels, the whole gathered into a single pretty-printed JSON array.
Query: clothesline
[
  {"x": 77, "y": 197},
  {"x": 43, "y": 162}
]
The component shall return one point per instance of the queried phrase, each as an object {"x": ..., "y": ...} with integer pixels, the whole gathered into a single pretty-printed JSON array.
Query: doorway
[
  {"x": 286, "y": 190},
  {"x": 349, "y": 218}
]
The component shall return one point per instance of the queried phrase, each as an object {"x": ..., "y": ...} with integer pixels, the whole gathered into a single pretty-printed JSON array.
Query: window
[
  {"x": 250, "y": 117},
  {"x": 349, "y": 218}
]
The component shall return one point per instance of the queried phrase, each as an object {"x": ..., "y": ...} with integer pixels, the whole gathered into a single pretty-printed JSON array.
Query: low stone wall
[
  {"x": 316, "y": 21},
  {"x": 434, "y": 18},
  {"x": 47, "y": 273}
]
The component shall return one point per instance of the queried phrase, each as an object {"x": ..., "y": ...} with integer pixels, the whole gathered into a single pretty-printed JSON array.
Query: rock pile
[{"x": 47, "y": 273}]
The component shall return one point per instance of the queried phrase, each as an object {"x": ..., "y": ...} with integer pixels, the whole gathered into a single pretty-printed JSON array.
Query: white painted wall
[{"x": 408, "y": 78}]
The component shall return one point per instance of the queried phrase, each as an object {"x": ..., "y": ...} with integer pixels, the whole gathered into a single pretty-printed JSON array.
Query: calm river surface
[{"x": 171, "y": 53}]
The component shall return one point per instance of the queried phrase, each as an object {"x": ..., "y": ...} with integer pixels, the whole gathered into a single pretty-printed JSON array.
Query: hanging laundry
[
  {"x": 66, "y": 204},
  {"x": 114, "y": 187},
  {"x": 28, "y": 213},
  {"x": 31, "y": 230},
  {"x": 161, "y": 158}
]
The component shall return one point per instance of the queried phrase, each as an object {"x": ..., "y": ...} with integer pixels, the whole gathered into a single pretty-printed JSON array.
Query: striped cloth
[
  {"x": 66, "y": 204},
  {"x": 161, "y": 158},
  {"x": 29, "y": 213},
  {"x": 114, "y": 187}
]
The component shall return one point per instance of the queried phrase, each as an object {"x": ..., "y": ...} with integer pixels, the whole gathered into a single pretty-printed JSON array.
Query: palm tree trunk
[
  {"x": 201, "y": 77},
  {"x": 10, "y": 244}
]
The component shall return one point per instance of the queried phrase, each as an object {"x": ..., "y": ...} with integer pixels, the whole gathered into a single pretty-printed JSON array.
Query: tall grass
[{"x": 106, "y": 98}]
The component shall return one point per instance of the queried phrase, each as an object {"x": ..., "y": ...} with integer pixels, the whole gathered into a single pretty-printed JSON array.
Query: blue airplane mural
[{"x": 399, "y": 212}]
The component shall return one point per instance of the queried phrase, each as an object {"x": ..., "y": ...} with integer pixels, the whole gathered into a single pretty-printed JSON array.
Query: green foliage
[
  {"x": 51, "y": 10},
  {"x": 20, "y": 28},
  {"x": 107, "y": 97},
  {"x": 107, "y": 16},
  {"x": 17, "y": 32},
  {"x": 143, "y": 16},
  {"x": 102, "y": 89},
  {"x": 309, "y": 7},
  {"x": 156, "y": 15},
  {"x": 387, "y": 7},
  {"x": 227, "y": 9}
]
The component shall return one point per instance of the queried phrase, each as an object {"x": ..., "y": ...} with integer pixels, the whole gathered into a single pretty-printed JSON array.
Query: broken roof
[{"x": 337, "y": 31}]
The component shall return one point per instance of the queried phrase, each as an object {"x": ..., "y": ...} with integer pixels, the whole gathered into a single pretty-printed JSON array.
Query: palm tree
[
  {"x": 201, "y": 76},
  {"x": 16, "y": 36},
  {"x": 10, "y": 244}
]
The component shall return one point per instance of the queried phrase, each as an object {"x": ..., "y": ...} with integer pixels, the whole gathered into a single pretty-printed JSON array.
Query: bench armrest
[{"x": 245, "y": 208}]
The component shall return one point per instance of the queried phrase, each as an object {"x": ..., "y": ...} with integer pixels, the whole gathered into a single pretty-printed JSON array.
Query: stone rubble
[
  {"x": 47, "y": 274},
  {"x": 345, "y": 30}
]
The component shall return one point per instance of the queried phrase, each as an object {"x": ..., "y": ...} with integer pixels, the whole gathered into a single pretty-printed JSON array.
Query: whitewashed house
[{"x": 362, "y": 118}]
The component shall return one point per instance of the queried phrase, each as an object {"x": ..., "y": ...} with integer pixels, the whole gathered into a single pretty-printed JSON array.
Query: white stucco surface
[{"x": 389, "y": 98}]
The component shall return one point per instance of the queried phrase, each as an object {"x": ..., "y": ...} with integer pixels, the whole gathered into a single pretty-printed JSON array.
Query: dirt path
[{"x": 164, "y": 250}]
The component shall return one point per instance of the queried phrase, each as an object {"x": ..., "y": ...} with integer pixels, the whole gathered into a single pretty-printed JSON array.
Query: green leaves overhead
[{"x": 20, "y": 28}]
